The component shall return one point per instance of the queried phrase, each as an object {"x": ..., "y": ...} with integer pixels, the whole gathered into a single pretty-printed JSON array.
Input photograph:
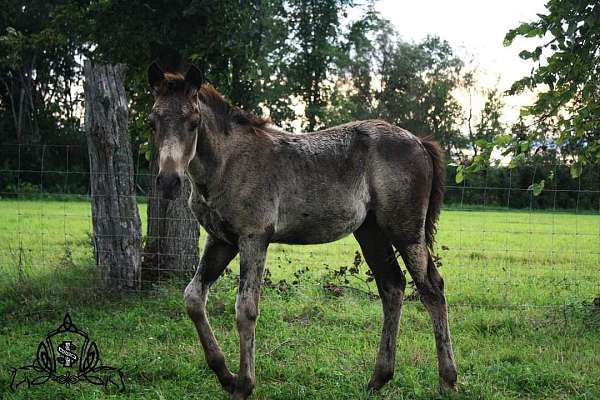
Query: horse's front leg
[
  {"x": 217, "y": 254},
  {"x": 253, "y": 250}
]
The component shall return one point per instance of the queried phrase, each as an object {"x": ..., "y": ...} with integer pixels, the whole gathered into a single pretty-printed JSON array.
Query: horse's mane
[{"x": 225, "y": 112}]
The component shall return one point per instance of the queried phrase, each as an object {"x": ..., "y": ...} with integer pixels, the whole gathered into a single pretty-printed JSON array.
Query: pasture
[{"x": 520, "y": 286}]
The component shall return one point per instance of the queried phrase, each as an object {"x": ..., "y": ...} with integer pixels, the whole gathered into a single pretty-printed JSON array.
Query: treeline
[
  {"x": 306, "y": 63},
  {"x": 63, "y": 172},
  {"x": 532, "y": 186}
]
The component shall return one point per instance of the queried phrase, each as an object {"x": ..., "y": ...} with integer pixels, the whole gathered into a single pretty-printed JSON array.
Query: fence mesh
[{"x": 499, "y": 244}]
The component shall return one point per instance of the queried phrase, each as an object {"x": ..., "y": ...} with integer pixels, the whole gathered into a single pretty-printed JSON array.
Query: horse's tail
[{"x": 436, "y": 196}]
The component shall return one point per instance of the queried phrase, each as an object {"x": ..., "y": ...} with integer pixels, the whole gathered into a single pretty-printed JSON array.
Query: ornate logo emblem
[{"x": 67, "y": 356}]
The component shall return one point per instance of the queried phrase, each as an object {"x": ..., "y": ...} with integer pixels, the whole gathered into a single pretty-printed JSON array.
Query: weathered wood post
[
  {"x": 115, "y": 217},
  {"x": 173, "y": 233}
]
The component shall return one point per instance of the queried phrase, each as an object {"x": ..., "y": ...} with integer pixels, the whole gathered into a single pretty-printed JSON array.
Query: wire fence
[{"x": 499, "y": 244}]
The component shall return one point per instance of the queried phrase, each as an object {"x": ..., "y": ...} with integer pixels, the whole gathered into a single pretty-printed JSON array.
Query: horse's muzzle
[{"x": 169, "y": 185}]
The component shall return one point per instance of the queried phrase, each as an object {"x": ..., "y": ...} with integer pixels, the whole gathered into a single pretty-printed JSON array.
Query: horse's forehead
[{"x": 173, "y": 106}]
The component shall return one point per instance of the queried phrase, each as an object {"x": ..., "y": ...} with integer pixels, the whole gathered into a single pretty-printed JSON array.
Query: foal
[{"x": 254, "y": 184}]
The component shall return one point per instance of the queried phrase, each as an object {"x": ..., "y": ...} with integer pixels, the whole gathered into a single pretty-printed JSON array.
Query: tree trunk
[
  {"x": 173, "y": 233},
  {"x": 115, "y": 217}
]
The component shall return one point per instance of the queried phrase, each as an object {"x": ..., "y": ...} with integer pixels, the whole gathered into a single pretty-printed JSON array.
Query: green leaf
[
  {"x": 525, "y": 54},
  {"x": 576, "y": 169},
  {"x": 502, "y": 140},
  {"x": 537, "y": 187},
  {"x": 516, "y": 161},
  {"x": 481, "y": 142},
  {"x": 459, "y": 174},
  {"x": 475, "y": 167}
]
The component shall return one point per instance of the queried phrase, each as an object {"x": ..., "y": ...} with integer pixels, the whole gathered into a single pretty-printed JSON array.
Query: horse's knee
[
  {"x": 431, "y": 292},
  {"x": 431, "y": 288},
  {"x": 246, "y": 310},
  {"x": 434, "y": 276},
  {"x": 431, "y": 295},
  {"x": 392, "y": 296},
  {"x": 194, "y": 299}
]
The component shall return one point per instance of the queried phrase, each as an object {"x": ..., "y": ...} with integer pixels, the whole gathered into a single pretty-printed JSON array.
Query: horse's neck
[{"x": 207, "y": 166}]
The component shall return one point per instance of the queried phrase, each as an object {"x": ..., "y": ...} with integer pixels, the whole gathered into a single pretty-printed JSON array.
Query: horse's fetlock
[
  {"x": 244, "y": 386},
  {"x": 385, "y": 374}
]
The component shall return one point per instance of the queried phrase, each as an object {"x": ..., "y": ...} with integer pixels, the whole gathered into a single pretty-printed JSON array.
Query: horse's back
[{"x": 336, "y": 176}]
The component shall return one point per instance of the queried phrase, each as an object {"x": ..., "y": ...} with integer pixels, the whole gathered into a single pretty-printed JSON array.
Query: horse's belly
[{"x": 309, "y": 226}]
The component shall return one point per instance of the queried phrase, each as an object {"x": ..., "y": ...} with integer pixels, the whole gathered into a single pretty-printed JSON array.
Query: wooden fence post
[
  {"x": 115, "y": 216},
  {"x": 173, "y": 233}
]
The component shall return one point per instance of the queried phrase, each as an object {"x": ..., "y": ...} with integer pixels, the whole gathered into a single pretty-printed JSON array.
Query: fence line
[{"x": 490, "y": 254}]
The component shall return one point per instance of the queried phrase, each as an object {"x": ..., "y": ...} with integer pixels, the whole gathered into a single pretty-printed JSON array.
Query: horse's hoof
[
  {"x": 374, "y": 386},
  {"x": 447, "y": 387},
  {"x": 379, "y": 379},
  {"x": 448, "y": 380},
  {"x": 240, "y": 395}
]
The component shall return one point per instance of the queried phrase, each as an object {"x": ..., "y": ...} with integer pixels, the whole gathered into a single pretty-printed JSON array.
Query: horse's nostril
[{"x": 169, "y": 185}]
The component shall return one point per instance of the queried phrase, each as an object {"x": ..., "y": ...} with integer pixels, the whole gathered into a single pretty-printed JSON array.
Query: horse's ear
[
  {"x": 155, "y": 75},
  {"x": 194, "y": 76}
]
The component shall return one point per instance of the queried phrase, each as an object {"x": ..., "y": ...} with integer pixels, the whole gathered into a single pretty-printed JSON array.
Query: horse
[{"x": 254, "y": 184}]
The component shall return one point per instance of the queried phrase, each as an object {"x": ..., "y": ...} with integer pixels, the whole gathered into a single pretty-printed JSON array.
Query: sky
[{"x": 476, "y": 30}]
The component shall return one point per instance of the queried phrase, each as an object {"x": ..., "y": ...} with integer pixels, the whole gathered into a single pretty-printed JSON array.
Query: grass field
[{"x": 519, "y": 284}]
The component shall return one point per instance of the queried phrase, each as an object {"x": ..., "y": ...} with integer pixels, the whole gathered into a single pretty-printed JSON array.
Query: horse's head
[{"x": 174, "y": 119}]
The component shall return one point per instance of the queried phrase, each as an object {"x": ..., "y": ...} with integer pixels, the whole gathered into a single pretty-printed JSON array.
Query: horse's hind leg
[
  {"x": 379, "y": 254},
  {"x": 216, "y": 256},
  {"x": 430, "y": 285}
]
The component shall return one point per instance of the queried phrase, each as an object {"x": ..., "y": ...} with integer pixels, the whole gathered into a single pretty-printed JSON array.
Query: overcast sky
[{"x": 475, "y": 29}]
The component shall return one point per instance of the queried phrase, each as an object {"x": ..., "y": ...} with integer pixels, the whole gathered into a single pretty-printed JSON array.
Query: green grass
[{"x": 519, "y": 286}]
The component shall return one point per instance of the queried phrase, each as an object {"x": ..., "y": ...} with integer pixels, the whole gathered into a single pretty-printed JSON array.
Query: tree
[
  {"x": 567, "y": 76},
  {"x": 353, "y": 96},
  {"x": 408, "y": 84},
  {"x": 117, "y": 237},
  {"x": 490, "y": 124},
  {"x": 40, "y": 95},
  {"x": 314, "y": 48},
  {"x": 37, "y": 74}
]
